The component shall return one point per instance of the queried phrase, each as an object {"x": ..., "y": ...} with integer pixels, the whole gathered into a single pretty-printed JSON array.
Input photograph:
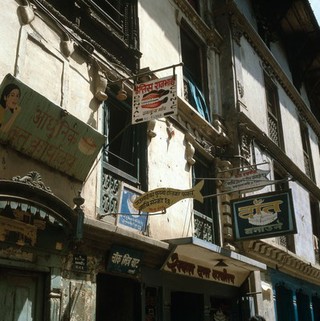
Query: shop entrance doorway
[
  {"x": 187, "y": 306},
  {"x": 118, "y": 298}
]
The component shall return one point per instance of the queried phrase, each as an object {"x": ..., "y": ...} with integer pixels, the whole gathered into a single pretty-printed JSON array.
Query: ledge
[{"x": 282, "y": 260}]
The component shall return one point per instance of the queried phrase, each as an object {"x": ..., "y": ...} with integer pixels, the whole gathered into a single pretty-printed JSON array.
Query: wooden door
[{"x": 21, "y": 295}]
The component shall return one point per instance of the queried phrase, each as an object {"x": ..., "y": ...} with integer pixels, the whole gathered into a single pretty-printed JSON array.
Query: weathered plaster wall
[
  {"x": 167, "y": 165},
  {"x": 255, "y": 107},
  {"x": 64, "y": 81}
]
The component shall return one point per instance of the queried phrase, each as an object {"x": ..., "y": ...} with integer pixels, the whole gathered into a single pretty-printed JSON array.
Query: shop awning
[{"x": 196, "y": 258}]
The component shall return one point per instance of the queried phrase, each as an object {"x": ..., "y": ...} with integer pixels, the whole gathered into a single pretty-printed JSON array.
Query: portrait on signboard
[
  {"x": 128, "y": 216},
  {"x": 9, "y": 106}
]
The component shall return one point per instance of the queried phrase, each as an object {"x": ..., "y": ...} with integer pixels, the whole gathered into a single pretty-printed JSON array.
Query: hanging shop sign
[
  {"x": 128, "y": 215},
  {"x": 160, "y": 199},
  {"x": 154, "y": 99},
  {"x": 124, "y": 260},
  {"x": 264, "y": 215},
  {"x": 250, "y": 180},
  {"x": 35, "y": 126}
]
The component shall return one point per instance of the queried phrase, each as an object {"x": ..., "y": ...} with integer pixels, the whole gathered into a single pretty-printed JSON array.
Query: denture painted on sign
[
  {"x": 158, "y": 200},
  {"x": 155, "y": 104},
  {"x": 153, "y": 98},
  {"x": 155, "y": 94}
]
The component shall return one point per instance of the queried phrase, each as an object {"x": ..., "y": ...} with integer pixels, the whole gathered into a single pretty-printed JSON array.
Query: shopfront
[
  {"x": 201, "y": 281},
  {"x": 295, "y": 299},
  {"x": 36, "y": 232}
]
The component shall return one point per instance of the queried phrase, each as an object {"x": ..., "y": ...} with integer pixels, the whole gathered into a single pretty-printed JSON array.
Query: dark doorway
[
  {"x": 284, "y": 303},
  {"x": 118, "y": 299},
  {"x": 187, "y": 306}
]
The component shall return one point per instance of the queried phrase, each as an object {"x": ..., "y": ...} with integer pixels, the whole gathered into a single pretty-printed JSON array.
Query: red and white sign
[{"x": 154, "y": 99}]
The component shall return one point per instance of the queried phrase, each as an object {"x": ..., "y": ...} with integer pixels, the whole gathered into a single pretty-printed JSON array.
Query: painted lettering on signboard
[
  {"x": 35, "y": 126},
  {"x": 154, "y": 99},
  {"x": 264, "y": 215}
]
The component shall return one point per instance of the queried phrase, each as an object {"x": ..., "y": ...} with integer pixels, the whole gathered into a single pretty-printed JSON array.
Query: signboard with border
[
  {"x": 154, "y": 99},
  {"x": 264, "y": 215},
  {"x": 42, "y": 130},
  {"x": 128, "y": 216}
]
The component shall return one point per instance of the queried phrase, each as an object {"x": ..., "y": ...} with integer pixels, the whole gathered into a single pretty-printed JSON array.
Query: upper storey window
[
  {"x": 307, "y": 156},
  {"x": 274, "y": 119},
  {"x": 112, "y": 24},
  {"x": 195, "y": 77},
  {"x": 124, "y": 153},
  {"x": 194, "y": 4}
]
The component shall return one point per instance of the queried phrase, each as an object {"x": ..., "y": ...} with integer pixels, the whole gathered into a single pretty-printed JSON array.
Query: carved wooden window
[
  {"x": 112, "y": 24},
  {"x": 307, "y": 157},
  {"x": 274, "y": 119},
  {"x": 286, "y": 241}
]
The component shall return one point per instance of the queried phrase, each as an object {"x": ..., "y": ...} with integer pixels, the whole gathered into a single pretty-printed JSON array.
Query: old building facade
[{"x": 208, "y": 110}]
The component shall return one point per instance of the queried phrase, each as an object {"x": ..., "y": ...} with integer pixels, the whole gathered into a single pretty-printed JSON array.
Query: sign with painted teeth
[{"x": 154, "y": 99}]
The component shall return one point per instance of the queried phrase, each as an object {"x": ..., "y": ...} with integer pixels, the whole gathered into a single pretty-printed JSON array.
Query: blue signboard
[
  {"x": 128, "y": 215},
  {"x": 264, "y": 215}
]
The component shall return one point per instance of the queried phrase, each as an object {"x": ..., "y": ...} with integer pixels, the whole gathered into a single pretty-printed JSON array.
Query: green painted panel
[{"x": 35, "y": 126}]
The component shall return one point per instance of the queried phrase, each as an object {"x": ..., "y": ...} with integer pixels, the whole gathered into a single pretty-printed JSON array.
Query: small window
[
  {"x": 194, "y": 72},
  {"x": 286, "y": 241},
  {"x": 274, "y": 120}
]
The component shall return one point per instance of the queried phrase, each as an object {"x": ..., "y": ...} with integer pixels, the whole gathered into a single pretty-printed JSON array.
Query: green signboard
[
  {"x": 264, "y": 215},
  {"x": 35, "y": 126}
]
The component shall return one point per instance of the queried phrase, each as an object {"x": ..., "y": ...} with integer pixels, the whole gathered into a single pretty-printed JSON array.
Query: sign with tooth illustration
[{"x": 154, "y": 99}]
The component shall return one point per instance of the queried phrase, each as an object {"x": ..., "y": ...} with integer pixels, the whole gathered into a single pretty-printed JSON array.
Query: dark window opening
[
  {"x": 303, "y": 307},
  {"x": 124, "y": 153},
  {"x": 284, "y": 304},
  {"x": 282, "y": 185},
  {"x": 194, "y": 72},
  {"x": 315, "y": 217},
  {"x": 187, "y": 306},
  {"x": 118, "y": 299},
  {"x": 316, "y": 307},
  {"x": 308, "y": 164},
  {"x": 113, "y": 24},
  {"x": 205, "y": 214},
  {"x": 195, "y": 5},
  {"x": 273, "y": 109}
]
